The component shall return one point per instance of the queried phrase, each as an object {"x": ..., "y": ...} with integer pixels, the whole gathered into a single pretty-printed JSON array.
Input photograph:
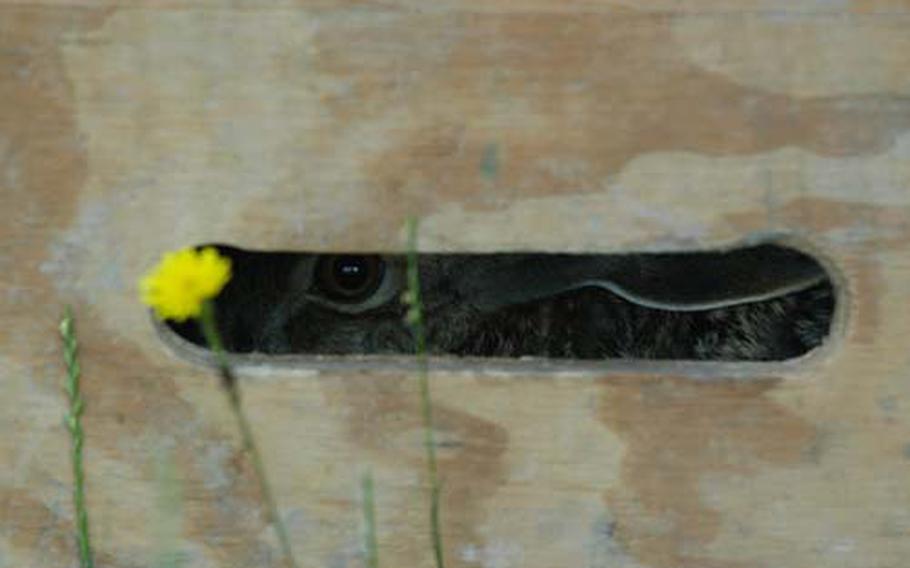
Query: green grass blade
[
  {"x": 369, "y": 520},
  {"x": 73, "y": 423},
  {"x": 168, "y": 522},
  {"x": 415, "y": 320}
]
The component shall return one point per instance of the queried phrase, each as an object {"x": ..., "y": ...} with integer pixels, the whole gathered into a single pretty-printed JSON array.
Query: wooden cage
[{"x": 131, "y": 128}]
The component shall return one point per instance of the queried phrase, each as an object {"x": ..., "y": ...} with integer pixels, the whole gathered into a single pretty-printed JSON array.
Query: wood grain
[{"x": 128, "y": 130}]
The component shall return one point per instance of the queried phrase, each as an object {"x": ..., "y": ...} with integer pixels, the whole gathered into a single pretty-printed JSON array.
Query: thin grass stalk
[
  {"x": 415, "y": 319},
  {"x": 73, "y": 422},
  {"x": 369, "y": 521},
  {"x": 168, "y": 520}
]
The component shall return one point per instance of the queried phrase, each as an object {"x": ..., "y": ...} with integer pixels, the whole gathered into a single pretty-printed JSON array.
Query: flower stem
[
  {"x": 73, "y": 421},
  {"x": 415, "y": 319},
  {"x": 232, "y": 389}
]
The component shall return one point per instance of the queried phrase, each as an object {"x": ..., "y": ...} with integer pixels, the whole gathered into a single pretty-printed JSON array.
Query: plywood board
[{"x": 130, "y": 129}]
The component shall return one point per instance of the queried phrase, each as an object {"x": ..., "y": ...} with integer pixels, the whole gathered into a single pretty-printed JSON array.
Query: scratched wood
[{"x": 505, "y": 125}]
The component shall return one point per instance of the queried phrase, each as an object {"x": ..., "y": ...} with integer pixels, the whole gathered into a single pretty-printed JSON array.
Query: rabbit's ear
[
  {"x": 698, "y": 281},
  {"x": 681, "y": 282}
]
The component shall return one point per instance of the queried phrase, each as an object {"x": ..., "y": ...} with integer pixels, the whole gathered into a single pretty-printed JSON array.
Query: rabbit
[{"x": 757, "y": 304}]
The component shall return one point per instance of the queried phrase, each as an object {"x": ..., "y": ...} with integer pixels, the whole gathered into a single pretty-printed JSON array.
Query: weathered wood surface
[{"x": 535, "y": 124}]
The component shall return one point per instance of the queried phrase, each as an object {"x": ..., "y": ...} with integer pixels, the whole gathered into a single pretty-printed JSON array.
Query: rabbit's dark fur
[
  {"x": 589, "y": 323},
  {"x": 268, "y": 307}
]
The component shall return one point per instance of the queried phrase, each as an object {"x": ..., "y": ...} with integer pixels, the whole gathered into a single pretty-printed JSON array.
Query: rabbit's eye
[{"x": 349, "y": 278}]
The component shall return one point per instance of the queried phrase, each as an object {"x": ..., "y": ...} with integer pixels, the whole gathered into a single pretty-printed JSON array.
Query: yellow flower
[{"x": 177, "y": 287}]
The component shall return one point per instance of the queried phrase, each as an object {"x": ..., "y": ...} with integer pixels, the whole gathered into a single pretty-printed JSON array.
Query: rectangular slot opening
[{"x": 758, "y": 303}]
